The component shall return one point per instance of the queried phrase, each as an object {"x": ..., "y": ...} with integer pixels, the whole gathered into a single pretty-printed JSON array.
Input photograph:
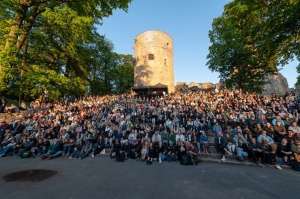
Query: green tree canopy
[
  {"x": 253, "y": 38},
  {"x": 51, "y": 45}
]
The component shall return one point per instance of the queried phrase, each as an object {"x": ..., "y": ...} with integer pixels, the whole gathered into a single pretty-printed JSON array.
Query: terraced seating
[{"x": 215, "y": 157}]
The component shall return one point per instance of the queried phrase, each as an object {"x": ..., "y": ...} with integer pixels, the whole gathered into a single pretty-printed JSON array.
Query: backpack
[
  {"x": 120, "y": 157},
  {"x": 296, "y": 165},
  {"x": 26, "y": 154},
  {"x": 185, "y": 160}
]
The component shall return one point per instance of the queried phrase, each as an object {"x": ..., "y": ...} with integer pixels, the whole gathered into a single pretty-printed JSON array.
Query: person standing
[{"x": 3, "y": 103}]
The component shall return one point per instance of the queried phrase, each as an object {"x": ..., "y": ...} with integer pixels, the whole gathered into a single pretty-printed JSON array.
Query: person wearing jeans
[
  {"x": 220, "y": 143},
  {"x": 86, "y": 149},
  {"x": 241, "y": 150},
  {"x": 8, "y": 148},
  {"x": 241, "y": 146}
]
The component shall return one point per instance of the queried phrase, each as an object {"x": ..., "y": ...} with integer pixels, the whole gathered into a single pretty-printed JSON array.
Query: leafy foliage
[
  {"x": 253, "y": 38},
  {"x": 50, "y": 47}
]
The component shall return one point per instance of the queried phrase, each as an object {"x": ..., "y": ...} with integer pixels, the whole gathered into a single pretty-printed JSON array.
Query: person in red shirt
[{"x": 192, "y": 152}]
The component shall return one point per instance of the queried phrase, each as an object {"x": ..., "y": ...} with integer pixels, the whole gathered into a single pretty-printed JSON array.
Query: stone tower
[{"x": 153, "y": 52}]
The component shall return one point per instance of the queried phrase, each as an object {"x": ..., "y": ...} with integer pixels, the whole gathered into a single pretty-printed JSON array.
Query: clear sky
[{"x": 186, "y": 21}]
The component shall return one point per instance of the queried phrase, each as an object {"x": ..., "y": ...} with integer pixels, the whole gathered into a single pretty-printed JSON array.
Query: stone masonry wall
[
  {"x": 149, "y": 72},
  {"x": 276, "y": 83}
]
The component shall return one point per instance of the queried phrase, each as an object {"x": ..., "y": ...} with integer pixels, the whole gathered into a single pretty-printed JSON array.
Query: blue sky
[{"x": 186, "y": 21}]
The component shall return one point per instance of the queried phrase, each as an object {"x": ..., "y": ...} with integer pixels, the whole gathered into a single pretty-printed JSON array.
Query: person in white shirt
[
  {"x": 156, "y": 138},
  {"x": 179, "y": 137},
  {"x": 294, "y": 127}
]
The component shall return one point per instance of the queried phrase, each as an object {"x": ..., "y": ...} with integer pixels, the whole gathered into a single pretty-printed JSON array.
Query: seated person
[
  {"x": 156, "y": 138},
  {"x": 230, "y": 147},
  {"x": 161, "y": 152},
  {"x": 151, "y": 154},
  {"x": 165, "y": 137},
  {"x": 279, "y": 131},
  {"x": 8, "y": 135},
  {"x": 269, "y": 148},
  {"x": 283, "y": 152},
  {"x": 257, "y": 130},
  {"x": 289, "y": 136},
  {"x": 171, "y": 152},
  {"x": 270, "y": 130},
  {"x": 255, "y": 150},
  {"x": 241, "y": 149},
  {"x": 54, "y": 149},
  {"x": 86, "y": 149},
  {"x": 3, "y": 127},
  {"x": 204, "y": 142},
  {"x": 269, "y": 156},
  {"x": 220, "y": 143},
  {"x": 192, "y": 152},
  {"x": 99, "y": 146},
  {"x": 195, "y": 140},
  {"x": 263, "y": 136},
  {"x": 12, "y": 108},
  {"x": 23, "y": 106},
  {"x": 115, "y": 149},
  {"x": 77, "y": 149},
  {"x": 247, "y": 133},
  {"x": 180, "y": 137},
  {"x": 9, "y": 147},
  {"x": 294, "y": 127},
  {"x": 144, "y": 151},
  {"x": 295, "y": 148},
  {"x": 24, "y": 146},
  {"x": 180, "y": 150},
  {"x": 41, "y": 146},
  {"x": 125, "y": 147},
  {"x": 68, "y": 145},
  {"x": 132, "y": 138}
]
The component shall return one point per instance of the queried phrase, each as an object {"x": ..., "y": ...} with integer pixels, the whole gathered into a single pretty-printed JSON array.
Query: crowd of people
[{"x": 173, "y": 127}]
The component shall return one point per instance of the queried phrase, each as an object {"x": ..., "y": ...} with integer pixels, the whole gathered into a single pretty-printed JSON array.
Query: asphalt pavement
[{"x": 101, "y": 177}]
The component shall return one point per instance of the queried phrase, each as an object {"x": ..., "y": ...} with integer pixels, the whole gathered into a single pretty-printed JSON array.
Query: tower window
[{"x": 151, "y": 57}]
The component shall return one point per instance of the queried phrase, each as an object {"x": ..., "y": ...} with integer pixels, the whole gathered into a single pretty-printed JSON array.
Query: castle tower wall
[{"x": 153, "y": 52}]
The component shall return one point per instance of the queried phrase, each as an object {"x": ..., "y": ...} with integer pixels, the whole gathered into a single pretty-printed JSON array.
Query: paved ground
[{"x": 101, "y": 177}]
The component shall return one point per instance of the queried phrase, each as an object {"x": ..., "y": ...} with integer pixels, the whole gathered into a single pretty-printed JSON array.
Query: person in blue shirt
[
  {"x": 204, "y": 142},
  {"x": 118, "y": 135}
]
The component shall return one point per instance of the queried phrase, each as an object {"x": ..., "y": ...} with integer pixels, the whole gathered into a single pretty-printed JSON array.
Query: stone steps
[
  {"x": 215, "y": 157},
  {"x": 244, "y": 163}
]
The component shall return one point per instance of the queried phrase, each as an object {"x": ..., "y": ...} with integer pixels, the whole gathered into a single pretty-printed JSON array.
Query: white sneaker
[
  {"x": 93, "y": 155},
  {"x": 223, "y": 158},
  {"x": 159, "y": 159},
  {"x": 278, "y": 167}
]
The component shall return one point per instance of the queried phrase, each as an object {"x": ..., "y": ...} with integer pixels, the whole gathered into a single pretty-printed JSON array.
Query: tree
[
  {"x": 100, "y": 70},
  {"x": 124, "y": 74},
  {"x": 110, "y": 73},
  {"x": 252, "y": 39},
  {"x": 45, "y": 44}
]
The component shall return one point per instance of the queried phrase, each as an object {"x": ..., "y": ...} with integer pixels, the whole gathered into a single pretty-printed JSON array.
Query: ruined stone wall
[
  {"x": 276, "y": 83},
  {"x": 153, "y": 52}
]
